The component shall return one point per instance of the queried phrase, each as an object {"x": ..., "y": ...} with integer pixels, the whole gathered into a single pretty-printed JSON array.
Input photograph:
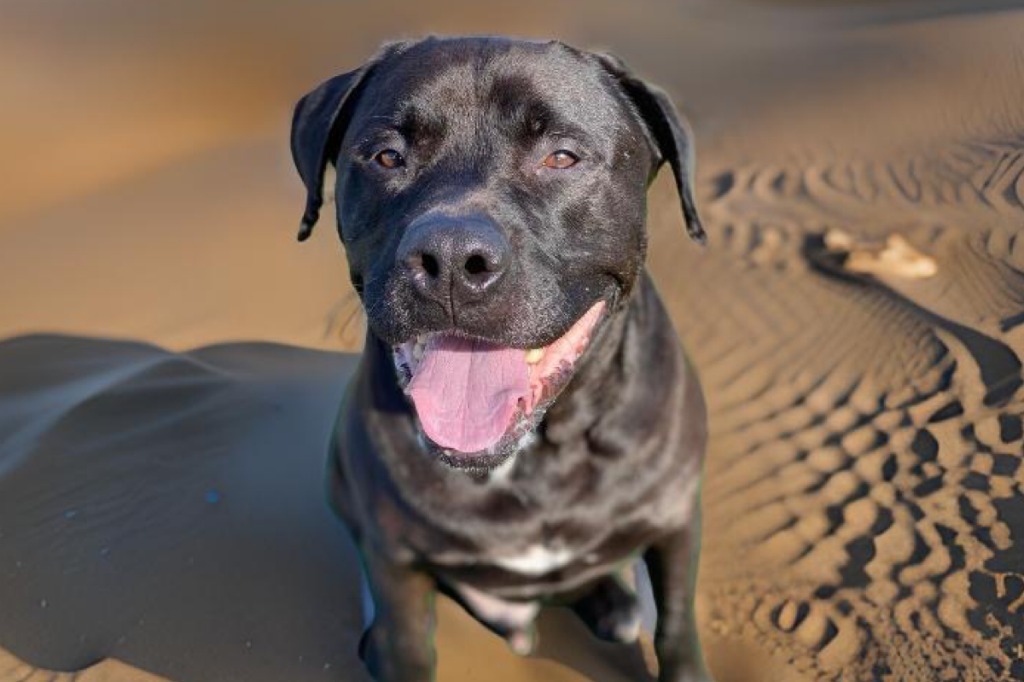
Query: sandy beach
[{"x": 171, "y": 360}]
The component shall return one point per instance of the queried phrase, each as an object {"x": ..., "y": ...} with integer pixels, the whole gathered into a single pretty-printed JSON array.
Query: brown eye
[
  {"x": 561, "y": 159},
  {"x": 389, "y": 159}
]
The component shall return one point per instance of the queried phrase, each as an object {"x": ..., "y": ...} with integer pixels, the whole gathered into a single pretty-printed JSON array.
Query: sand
[{"x": 173, "y": 359}]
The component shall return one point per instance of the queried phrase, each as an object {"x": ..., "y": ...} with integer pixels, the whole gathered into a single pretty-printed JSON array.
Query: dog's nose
[{"x": 455, "y": 257}]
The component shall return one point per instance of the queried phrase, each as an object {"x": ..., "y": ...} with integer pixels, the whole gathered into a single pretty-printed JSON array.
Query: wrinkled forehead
[{"x": 442, "y": 85}]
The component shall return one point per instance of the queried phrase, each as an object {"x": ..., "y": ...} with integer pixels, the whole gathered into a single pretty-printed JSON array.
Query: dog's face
[{"x": 491, "y": 200}]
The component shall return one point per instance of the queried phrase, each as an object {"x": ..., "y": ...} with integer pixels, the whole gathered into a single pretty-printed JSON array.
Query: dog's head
[{"x": 491, "y": 197}]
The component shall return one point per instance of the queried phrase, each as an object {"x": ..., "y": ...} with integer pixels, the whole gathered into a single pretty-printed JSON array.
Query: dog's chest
[
  {"x": 525, "y": 571},
  {"x": 536, "y": 559},
  {"x": 535, "y": 553},
  {"x": 534, "y": 532}
]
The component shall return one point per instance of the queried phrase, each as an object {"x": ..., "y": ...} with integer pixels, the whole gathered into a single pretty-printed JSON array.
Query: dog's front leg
[
  {"x": 400, "y": 641},
  {"x": 670, "y": 563}
]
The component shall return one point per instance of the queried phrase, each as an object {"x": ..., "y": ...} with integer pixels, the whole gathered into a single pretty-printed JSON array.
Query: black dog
[{"x": 524, "y": 421}]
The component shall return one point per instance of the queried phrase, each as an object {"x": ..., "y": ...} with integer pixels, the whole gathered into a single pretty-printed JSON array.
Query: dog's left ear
[{"x": 670, "y": 132}]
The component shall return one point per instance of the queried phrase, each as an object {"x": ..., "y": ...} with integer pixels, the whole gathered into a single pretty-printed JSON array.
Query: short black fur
[{"x": 612, "y": 470}]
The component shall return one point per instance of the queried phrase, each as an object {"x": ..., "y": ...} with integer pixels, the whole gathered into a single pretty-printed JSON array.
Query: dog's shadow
[{"x": 167, "y": 509}]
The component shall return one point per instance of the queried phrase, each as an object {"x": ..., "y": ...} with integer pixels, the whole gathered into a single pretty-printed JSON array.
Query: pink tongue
[{"x": 466, "y": 391}]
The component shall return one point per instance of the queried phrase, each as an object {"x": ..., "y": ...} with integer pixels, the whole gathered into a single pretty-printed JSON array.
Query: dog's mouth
[{"x": 477, "y": 401}]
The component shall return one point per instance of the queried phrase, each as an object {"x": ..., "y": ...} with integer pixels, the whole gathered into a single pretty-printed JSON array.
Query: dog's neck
[{"x": 594, "y": 391}]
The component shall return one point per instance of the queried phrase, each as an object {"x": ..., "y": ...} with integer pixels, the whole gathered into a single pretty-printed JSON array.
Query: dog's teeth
[
  {"x": 535, "y": 355},
  {"x": 417, "y": 351}
]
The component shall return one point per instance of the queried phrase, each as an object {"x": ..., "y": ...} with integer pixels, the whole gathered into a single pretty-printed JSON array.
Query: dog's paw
[
  {"x": 522, "y": 642},
  {"x": 611, "y": 611},
  {"x": 368, "y": 653}
]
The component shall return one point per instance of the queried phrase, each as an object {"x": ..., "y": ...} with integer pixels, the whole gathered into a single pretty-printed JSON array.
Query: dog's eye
[
  {"x": 389, "y": 158},
  {"x": 563, "y": 158}
]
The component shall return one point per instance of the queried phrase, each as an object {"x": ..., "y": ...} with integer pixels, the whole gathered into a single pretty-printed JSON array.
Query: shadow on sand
[{"x": 167, "y": 509}]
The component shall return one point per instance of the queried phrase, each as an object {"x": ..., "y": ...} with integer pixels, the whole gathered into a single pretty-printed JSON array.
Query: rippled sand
[{"x": 173, "y": 358}]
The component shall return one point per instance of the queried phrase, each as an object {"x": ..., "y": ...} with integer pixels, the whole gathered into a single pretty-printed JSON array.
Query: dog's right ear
[{"x": 318, "y": 127}]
